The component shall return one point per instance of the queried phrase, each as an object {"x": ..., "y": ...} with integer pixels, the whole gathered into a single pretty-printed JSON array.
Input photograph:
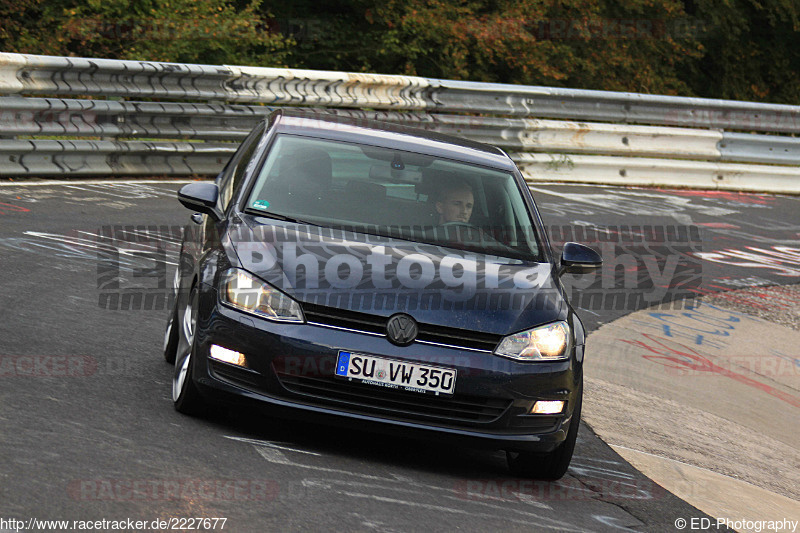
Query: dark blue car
[{"x": 355, "y": 272}]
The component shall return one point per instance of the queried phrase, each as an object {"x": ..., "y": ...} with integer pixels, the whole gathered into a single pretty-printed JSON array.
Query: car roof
[{"x": 327, "y": 125}]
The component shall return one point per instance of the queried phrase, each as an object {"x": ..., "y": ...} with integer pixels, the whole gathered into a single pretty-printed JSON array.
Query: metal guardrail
[
  {"x": 103, "y": 118},
  {"x": 633, "y": 108},
  {"x": 27, "y": 74},
  {"x": 660, "y": 172},
  {"x": 760, "y": 148},
  {"x": 102, "y": 158},
  {"x": 117, "y": 119},
  {"x": 637, "y": 142}
]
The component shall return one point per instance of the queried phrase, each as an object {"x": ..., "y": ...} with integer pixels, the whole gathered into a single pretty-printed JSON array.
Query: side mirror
[
  {"x": 201, "y": 197},
  {"x": 578, "y": 259}
]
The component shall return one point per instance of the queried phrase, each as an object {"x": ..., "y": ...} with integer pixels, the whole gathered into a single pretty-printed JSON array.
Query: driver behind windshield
[{"x": 455, "y": 202}]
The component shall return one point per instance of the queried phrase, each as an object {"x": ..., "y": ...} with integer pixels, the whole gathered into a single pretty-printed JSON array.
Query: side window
[{"x": 233, "y": 176}]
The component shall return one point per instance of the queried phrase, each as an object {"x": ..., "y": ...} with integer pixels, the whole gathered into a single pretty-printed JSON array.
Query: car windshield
[{"x": 395, "y": 194}]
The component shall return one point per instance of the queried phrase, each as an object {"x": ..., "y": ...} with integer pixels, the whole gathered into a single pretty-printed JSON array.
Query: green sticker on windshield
[{"x": 261, "y": 204}]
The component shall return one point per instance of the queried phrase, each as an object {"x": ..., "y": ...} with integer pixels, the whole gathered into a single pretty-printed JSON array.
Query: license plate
[{"x": 395, "y": 374}]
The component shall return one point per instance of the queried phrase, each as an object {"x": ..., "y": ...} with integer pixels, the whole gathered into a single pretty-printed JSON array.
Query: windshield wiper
[{"x": 277, "y": 216}]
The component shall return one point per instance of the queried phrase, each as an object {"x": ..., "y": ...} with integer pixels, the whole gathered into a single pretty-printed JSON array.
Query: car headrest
[
  {"x": 309, "y": 166},
  {"x": 434, "y": 180}
]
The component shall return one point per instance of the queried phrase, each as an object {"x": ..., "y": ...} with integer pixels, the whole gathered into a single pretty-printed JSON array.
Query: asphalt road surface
[{"x": 88, "y": 432}]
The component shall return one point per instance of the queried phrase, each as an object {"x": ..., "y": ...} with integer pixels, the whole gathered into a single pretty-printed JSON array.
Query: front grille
[
  {"x": 366, "y": 322},
  {"x": 458, "y": 337},
  {"x": 343, "y": 318},
  {"x": 404, "y": 405}
]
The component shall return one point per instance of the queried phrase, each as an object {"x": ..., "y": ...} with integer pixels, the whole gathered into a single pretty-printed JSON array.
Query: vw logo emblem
[{"x": 401, "y": 329}]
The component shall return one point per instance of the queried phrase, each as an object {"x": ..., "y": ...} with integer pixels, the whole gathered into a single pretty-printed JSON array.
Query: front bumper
[{"x": 291, "y": 373}]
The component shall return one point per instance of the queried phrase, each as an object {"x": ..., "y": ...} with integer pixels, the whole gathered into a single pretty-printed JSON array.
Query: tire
[
  {"x": 171, "y": 334},
  {"x": 185, "y": 396},
  {"x": 549, "y": 466},
  {"x": 171, "y": 337}
]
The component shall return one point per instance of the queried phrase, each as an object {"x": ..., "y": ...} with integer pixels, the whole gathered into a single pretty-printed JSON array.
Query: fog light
[
  {"x": 553, "y": 407},
  {"x": 228, "y": 356}
]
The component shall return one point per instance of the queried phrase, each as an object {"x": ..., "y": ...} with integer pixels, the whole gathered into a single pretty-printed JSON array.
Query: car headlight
[
  {"x": 248, "y": 293},
  {"x": 544, "y": 343}
]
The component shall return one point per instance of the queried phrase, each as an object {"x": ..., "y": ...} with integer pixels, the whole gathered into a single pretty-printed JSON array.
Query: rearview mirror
[
  {"x": 201, "y": 197},
  {"x": 387, "y": 173},
  {"x": 579, "y": 259}
]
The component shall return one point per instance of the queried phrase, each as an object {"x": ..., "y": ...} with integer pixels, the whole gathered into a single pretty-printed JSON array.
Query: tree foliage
[
  {"x": 737, "y": 49},
  {"x": 572, "y": 43},
  {"x": 192, "y": 31},
  {"x": 752, "y": 50}
]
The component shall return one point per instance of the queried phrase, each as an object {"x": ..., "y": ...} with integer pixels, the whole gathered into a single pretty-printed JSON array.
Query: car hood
[{"x": 382, "y": 276}]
